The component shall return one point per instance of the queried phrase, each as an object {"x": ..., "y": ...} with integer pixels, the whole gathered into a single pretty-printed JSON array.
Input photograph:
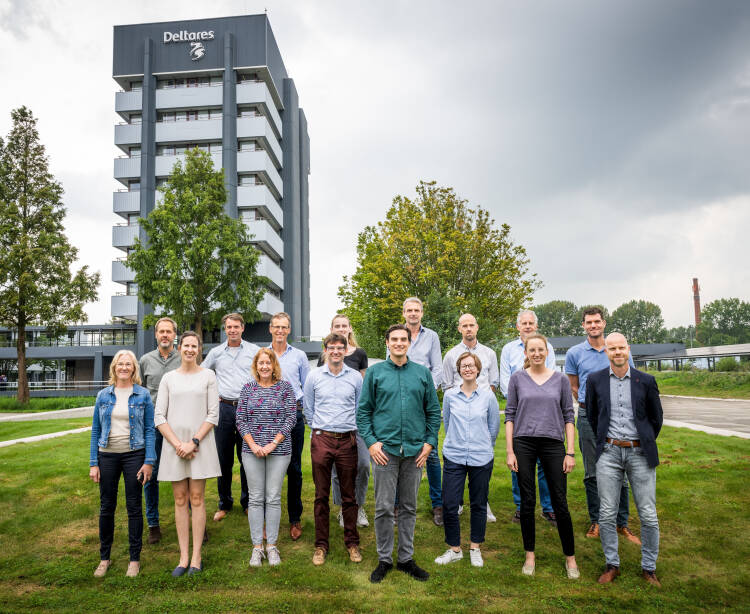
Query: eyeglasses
[
  {"x": 335, "y": 348},
  {"x": 468, "y": 367}
]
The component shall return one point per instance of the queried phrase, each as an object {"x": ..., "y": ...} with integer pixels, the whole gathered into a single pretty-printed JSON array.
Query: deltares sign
[{"x": 184, "y": 36}]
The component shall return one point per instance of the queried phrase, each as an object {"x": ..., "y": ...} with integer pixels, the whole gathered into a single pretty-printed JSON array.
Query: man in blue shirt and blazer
[{"x": 625, "y": 413}]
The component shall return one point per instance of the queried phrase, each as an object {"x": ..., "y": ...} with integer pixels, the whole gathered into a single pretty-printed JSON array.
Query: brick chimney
[{"x": 696, "y": 301}]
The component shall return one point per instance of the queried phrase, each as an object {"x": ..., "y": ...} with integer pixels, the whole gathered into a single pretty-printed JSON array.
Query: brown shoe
[
  {"x": 628, "y": 534},
  {"x": 220, "y": 515},
  {"x": 593, "y": 530},
  {"x": 609, "y": 574},
  {"x": 355, "y": 556},
  {"x": 154, "y": 535},
  {"x": 319, "y": 556},
  {"x": 437, "y": 516},
  {"x": 650, "y": 577},
  {"x": 295, "y": 531}
]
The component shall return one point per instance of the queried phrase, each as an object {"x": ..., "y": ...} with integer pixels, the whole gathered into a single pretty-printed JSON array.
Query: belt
[
  {"x": 299, "y": 405},
  {"x": 582, "y": 405},
  {"x": 232, "y": 402},
  {"x": 333, "y": 434},
  {"x": 624, "y": 443}
]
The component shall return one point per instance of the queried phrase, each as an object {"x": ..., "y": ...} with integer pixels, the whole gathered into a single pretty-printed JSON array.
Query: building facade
[{"x": 220, "y": 85}]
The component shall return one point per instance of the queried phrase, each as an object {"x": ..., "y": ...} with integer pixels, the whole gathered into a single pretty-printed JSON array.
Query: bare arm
[{"x": 573, "y": 379}]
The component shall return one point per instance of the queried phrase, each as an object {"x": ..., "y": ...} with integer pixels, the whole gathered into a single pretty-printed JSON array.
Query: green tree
[
  {"x": 436, "y": 246},
  {"x": 36, "y": 283},
  {"x": 681, "y": 334},
  {"x": 640, "y": 321},
  {"x": 197, "y": 263},
  {"x": 724, "y": 321},
  {"x": 558, "y": 319}
]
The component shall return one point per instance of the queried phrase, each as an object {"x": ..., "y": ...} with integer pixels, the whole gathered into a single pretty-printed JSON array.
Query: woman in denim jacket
[{"x": 122, "y": 442}]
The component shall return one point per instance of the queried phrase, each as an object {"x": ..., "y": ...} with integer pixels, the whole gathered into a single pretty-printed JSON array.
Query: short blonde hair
[
  {"x": 276, "y": 373},
  {"x": 135, "y": 378}
]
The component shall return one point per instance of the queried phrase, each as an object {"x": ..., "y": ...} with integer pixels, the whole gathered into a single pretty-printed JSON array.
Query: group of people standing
[{"x": 385, "y": 419}]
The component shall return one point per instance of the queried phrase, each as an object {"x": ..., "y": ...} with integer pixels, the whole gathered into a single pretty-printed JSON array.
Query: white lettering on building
[{"x": 184, "y": 36}]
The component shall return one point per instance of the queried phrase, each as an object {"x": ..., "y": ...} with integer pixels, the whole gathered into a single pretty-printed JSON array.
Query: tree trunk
[
  {"x": 23, "y": 381},
  {"x": 198, "y": 328}
]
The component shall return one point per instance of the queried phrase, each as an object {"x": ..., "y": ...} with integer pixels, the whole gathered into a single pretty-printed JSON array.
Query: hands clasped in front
[
  {"x": 381, "y": 458},
  {"x": 186, "y": 450}
]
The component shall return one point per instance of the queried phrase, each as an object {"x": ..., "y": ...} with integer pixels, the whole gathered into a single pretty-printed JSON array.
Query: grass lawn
[
  {"x": 17, "y": 430},
  {"x": 704, "y": 384},
  {"x": 10, "y": 404},
  {"x": 49, "y": 548}
]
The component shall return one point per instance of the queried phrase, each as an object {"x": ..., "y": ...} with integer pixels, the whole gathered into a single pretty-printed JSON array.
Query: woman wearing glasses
[{"x": 472, "y": 421}]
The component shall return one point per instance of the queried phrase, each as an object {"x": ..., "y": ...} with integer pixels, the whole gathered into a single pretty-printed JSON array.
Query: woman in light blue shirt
[{"x": 472, "y": 422}]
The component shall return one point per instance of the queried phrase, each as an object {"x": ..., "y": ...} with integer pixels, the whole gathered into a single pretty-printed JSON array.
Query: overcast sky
[{"x": 613, "y": 137}]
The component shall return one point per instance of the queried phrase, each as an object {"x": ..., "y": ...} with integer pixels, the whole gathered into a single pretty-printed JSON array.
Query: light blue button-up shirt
[
  {"x": 471, "y": 426},
  {"x": 511, "y": 360},
  {"x": 582, "y": 360},
  {"x": 621, "y": 419},
  {"x": 294, "y": 368},
  {"x": 425, "y": 351},
  {"x": 232, "y": 367},
  {"x": 489, "y": 375},
  {"x": 331, "y": 400}
]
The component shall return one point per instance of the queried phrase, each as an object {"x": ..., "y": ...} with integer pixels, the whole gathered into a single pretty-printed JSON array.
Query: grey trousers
[
  {"x": 363, "y": 475},
  {"x": 401, "y": 472},
  {"x": 265, "y": 477}
]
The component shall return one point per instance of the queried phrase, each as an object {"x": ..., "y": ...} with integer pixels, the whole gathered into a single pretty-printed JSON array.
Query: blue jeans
[
  {"x": 151, "y": 489},
  {"x": 611, "y": 468},
  {"x": 587, "y": 444},
  {"x": 454, "y": 478},
  {"x": 544, "y": 497}
]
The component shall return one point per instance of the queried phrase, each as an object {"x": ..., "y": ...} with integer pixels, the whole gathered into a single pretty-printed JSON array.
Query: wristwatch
[
  {"x": 197, "y": 442},
  {"x": 566, "y": 454}
]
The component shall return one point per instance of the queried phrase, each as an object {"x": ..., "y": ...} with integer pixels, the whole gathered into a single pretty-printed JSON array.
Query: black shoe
[
  {"x": 550, "y": 517},
  {"x": 437, "y": 516},
  {"x": 516, "y": 517},
  {"x": 154, "y": 535},
  {"x": 414, "y": 570},
  {"x": 380, "y": 571}
]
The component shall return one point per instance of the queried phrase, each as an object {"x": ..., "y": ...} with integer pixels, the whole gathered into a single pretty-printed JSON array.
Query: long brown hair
[{"x": 526, "y": 361}]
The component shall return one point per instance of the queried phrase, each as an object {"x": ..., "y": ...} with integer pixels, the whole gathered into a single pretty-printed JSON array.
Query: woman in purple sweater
[{"x": 539, "y": 424}]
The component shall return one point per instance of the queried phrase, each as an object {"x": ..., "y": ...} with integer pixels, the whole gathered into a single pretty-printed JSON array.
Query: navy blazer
[{"x": 646, "y": 410}]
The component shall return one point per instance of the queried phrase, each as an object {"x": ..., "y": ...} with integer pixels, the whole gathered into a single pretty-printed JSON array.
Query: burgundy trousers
[{"x": 325, "y": 451}]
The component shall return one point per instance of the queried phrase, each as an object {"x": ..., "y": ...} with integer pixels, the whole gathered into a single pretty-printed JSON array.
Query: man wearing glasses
[
  {"x": 330, "y": 407},
  {"x": 294, "y": 369}
]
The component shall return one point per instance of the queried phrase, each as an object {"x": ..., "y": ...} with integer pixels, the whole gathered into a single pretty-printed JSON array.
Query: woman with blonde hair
[
  {"x": 122, "y": 442},
  {"x": 187, "y": 409},
  {"x": 539, "y": 425},
  {"x": 266, "y": 415},
  {"x": 356, "y": 357}
]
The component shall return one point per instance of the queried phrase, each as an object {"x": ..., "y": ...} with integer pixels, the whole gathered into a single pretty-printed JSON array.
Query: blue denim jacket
[{"x": 141, "y": 422}]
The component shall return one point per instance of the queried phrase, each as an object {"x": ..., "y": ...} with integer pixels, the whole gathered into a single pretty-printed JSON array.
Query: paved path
[
  {"x": 78, "y": 412},
  {"x": 10, "y": 442},
  {"x": 729, "y": 417}
]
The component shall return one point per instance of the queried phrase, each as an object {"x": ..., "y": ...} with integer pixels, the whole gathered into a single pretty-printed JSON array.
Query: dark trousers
[
  {"x": 111, "y": 466},
  {"x": 229, "y": 443},
  {"x": 294, "y": 471},
  {"x": 550, "y": 453},
  {"x": 151, "y": 488},
  {"x": 325, "y": 452},
  {"x": 454, "y": 478}
]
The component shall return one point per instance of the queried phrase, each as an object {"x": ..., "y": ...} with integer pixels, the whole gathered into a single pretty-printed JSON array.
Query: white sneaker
[
  {"x": 341, "y": 518},
  {"x": 272, "y": 552},
  {"x": 449, "y": 556},
  {"x": 362, "y": 517},
  {"x": 490, "y": 515},
  {"x": 460, "y": 509},
  {"x": 475, "y": 555},
  {"x": 256, "y": 558}
]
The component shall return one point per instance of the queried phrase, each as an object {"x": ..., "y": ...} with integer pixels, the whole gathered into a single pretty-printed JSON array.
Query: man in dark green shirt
[{"x": 399, "y": 418}]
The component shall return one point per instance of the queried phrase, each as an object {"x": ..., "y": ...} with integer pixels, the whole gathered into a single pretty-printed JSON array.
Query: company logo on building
[
  {"x": 197, "y": 51},
  {"x": 197, "y": 48}
]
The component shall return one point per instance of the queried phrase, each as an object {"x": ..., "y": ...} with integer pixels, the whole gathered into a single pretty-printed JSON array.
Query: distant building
[{"x": 220, "y": 85}]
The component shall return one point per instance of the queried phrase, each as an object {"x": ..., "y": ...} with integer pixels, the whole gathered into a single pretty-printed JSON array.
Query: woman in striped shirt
[{"x": 266, "y": 414}]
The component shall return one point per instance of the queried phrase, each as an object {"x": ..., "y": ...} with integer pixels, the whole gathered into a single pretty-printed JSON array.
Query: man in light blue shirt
[
  {"x": 581, "y": 360},
  {"x": 425, "y": 350},
  {"x": 294, "y": 369},
  {"x": 331, "y": 397},
  {"x": 231, "y": 361},
  {"x": 511, "y": 360}
]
